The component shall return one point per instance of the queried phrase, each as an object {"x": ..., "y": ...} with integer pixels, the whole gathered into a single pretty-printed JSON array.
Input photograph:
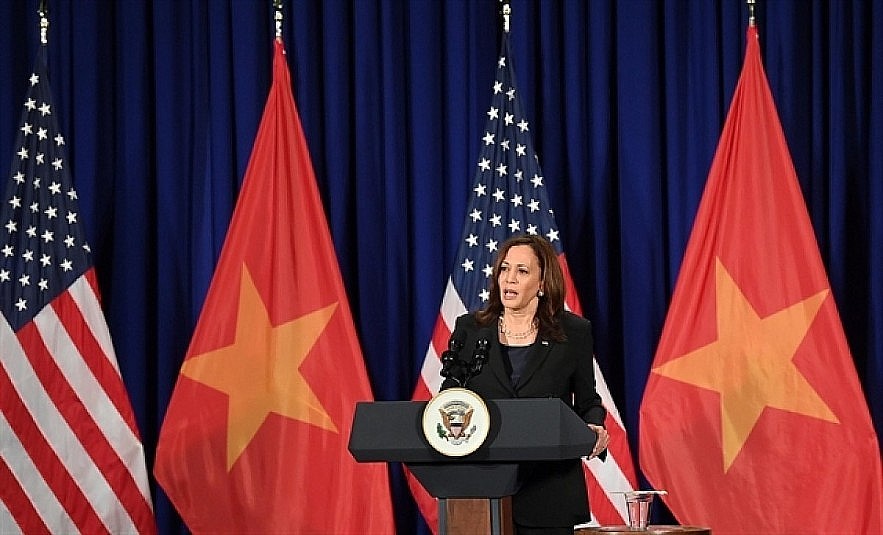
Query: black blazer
[{"x": 553, "y": 493}]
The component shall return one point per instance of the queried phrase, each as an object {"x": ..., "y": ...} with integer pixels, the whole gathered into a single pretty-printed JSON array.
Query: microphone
[
  {"x": 452, "y": 365},
  {"x": 479, "y": 358}
]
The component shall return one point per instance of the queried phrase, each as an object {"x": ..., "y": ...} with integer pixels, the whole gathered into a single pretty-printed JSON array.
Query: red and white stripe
[
  {"x": 71, "y": 459},
  {"x": 604, "y": 478}
]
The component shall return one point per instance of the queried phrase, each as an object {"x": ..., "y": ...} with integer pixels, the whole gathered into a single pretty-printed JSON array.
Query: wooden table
[{"x": 651, "y": 530}]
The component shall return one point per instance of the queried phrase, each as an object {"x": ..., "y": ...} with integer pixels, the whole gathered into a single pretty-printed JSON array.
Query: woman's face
[{"x": 520, "y": 278}]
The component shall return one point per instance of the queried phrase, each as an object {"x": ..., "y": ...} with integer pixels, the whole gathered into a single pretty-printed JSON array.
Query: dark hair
[{"x": 551, "y": 304}]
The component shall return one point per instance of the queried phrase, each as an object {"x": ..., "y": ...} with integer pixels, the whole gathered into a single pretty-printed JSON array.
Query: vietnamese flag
[
  {"x": 753, "y": 418},
  {"x": 255, "y": 437}
]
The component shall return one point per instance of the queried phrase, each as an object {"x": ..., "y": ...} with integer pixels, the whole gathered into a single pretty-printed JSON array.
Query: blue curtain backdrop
[{"x": 160, "y": 102}]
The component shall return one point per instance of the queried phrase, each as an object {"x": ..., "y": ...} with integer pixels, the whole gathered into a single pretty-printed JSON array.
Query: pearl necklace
[{"x": 518, "y": 336}]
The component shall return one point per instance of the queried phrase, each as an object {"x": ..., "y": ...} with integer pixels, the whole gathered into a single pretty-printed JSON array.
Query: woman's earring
[{"x": 540, "y": 293}]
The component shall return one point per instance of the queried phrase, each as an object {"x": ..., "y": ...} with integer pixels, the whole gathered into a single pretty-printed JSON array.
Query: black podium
[{"x": 521, "y": 431}]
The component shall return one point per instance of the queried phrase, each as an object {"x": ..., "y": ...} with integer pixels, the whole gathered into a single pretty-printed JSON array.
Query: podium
[{"x": 473, "y": 490}]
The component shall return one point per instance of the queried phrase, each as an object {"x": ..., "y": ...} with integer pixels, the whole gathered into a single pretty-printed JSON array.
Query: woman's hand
[{"x": 601, "y": 443}]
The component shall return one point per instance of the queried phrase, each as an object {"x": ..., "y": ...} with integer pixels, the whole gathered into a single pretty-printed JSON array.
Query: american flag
[
  {"x": 509, "y": 198},
  {"x": 71, "y": 459}
]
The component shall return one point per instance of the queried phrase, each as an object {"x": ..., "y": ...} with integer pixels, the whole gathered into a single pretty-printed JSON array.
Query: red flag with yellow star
[
  {"x": 753, "y": 418},
  {"x": 255, "y": 437}
]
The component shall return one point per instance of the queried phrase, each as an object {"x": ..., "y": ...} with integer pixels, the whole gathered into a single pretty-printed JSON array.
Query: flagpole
[
  {"x": 751, "y": 21},
  {"x": 277, "y": 17},
  {"x": 43, "y": 11},
  {"x": 506, "y": 10}
]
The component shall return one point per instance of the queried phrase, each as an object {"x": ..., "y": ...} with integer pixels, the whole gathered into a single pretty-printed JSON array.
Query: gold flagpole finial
[
  {"x": 277, "y": 17},
  {"x": 505, "y": 10},
  {"x": 751, "y": 21},
  {"x": 43, "y": 11}
]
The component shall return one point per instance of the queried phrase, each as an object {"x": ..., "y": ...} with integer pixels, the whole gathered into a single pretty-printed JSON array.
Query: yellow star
[
  {"x": 260, "y": 370},
  {"x": 750, "y": 363}
]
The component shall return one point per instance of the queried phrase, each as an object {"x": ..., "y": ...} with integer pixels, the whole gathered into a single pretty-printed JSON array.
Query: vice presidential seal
[{"x": 456, "y": 422}]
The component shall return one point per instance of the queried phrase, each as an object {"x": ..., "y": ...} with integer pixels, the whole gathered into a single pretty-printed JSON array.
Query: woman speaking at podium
[{"x": 537, "y": 349}]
